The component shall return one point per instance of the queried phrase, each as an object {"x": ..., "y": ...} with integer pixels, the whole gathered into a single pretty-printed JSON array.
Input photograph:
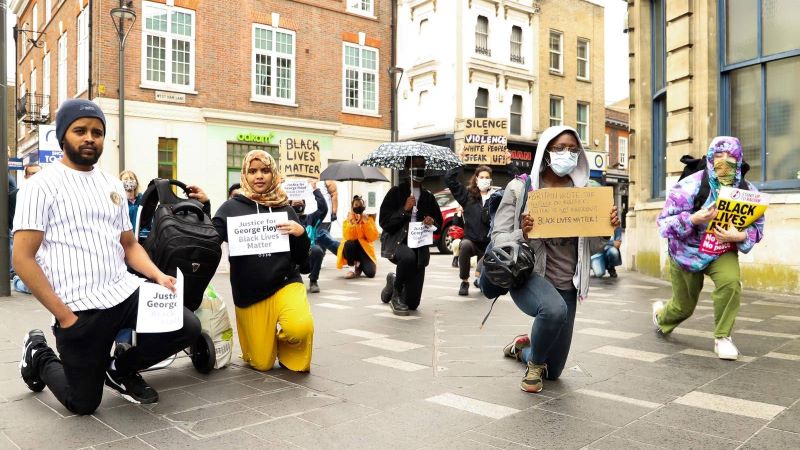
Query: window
[
  {"x": 582, "y": 121},
  {"x": 515, "y": 123},
  {"x": 583, "y": 59},
  {"x": 556, "y": 111},
  {"x": 760, "y": 89},
  {"x": 168, "y": 49},
  {"x": 26, "y": 44},
  {"x": 35, "y": 19},
  {"x": 46, "y": 84},
  {"x": 22, "y": 92},
  {"x": 556, "y": 54},
  {"x": 273, "y": 64},
  {"x": 48, "y": 14},
  {"x": 482, "y": 103},
  {"x": 424, "y": 47},
  {"x": 168, "y": 158},
  {"x": 516, "y": 45},
  {"x": 83, "y": 51},
  {"x": 659, "y": 137},
  {"x": 363, "y": 7},
  {"x": 236, "y": 154},
  {"x": 482, "y": 36},
  {"x": 424, "y": 108},
  {"x": 62, "y": 69},
  {"x": 360, "y": 79},
  {"x": 622, "y": 143}
]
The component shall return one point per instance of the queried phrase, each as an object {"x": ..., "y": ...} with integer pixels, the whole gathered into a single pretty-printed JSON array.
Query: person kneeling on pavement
[
  {"x": 316, "y": 234},
  {"x": 358, "y": 233},
  {"x": 72, "y": 211},
  {"x": 609, "y": 258}
]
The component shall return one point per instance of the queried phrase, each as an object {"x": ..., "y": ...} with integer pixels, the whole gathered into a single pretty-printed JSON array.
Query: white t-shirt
[
  {"x": 416, "y": 192},
  {"x": 82, "y": 215}
]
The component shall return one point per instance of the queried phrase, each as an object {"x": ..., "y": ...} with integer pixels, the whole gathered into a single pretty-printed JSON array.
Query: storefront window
[
  {"x": 167, "y": 158},
  {"x": 236, "y": 154}
]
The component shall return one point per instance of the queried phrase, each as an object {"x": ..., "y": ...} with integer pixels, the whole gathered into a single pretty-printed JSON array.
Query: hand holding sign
[
  {"x": 703, "y": 216},
  {"x": 291, "y": 227},
  {"x": 731, "y": 234},
  {"x": 614, "y": 217}
]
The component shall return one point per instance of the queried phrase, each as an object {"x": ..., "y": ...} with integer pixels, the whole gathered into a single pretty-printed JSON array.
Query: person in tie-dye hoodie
[{"x": 684, "y": 229}]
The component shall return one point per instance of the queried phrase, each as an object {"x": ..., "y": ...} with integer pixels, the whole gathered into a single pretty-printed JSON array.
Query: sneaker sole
[
  {"x": 35, "y": 386},
  {"x": 136, "y": 401},
  {"x": 519, "y": 342},
  {"x": 657, "y": 308},
  {"x": 530, "y": 390}
]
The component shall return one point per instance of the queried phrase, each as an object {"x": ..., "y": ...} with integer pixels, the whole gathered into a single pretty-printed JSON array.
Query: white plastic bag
[{"x": 214, "y": 320}]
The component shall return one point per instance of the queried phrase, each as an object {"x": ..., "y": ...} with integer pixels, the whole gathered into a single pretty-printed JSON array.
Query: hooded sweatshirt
[
  {"x": 674, "y": 223},
  {"x": 505, "y": 218}
]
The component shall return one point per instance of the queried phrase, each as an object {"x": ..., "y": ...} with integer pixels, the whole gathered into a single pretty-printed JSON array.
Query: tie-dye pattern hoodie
[{"x": 674, "y": 224}]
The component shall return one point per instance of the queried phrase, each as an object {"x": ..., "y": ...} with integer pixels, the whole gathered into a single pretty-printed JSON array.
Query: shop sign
[
  {"x": 597, "y": 160},
  {"x": 258, "y": 138}
]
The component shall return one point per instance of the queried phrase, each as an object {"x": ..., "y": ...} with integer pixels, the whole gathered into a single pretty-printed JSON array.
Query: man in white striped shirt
[{"x": 72, "y": 240}]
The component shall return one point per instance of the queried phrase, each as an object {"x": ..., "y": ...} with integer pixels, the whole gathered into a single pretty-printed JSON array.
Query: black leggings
[
  {"x": 410, "y": 277},
  {"x": 465, "y": 253},
  {"x": 353, "y": 252}
]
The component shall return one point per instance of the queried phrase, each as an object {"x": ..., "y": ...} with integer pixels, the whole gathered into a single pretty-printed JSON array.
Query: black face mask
[
  {"x": 418, "y": 175},
  {"x": 299, "y": 209},
  {"x": 359, "y": 210}
]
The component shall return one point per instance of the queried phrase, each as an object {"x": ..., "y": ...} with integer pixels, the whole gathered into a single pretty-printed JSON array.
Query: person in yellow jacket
[{"x": 358, "y": 234}]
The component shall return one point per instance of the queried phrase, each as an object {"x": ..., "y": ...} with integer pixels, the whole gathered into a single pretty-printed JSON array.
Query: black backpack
[
  {"x": 181, "y": 236},
  {"x": 694, "y": 165}
]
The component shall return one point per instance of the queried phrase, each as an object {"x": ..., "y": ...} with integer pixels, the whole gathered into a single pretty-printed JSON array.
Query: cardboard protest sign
[
  {"x": 485, "y": 142},
  {"x": 296, "y": 189},
  {"x": 256, "y": 234},
  {"x": 300, "y": 158},
  {"x": 160, "y": 310},
  {"x": 419, "y": 235},
  {"x": 569, "y": 212},
  {"x": 736, "y": 207}
]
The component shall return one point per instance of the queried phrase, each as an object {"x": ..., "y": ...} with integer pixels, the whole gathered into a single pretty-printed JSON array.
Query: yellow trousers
[{"x": 262, "y": 342}]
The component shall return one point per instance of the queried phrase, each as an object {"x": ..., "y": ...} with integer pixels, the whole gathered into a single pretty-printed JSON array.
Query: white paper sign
[
  {"x": 419, "y": 234},
  {"x": 256, "y": 234},
  {"x": 296, "y": 189},
  {"x": 160, "y": 310}
]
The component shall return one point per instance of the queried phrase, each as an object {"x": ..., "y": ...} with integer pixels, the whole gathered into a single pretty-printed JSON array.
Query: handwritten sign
[
  {"x": 160, "y": 310},
  {"x": 570, "y": 212},
  {"x": 256, "y": 234},
  {"x": 485, "y": 142},
  {"x": 296, "y": 189},
  {"x": 300, "y": 158},
  {"x": 419, "y": 235}
]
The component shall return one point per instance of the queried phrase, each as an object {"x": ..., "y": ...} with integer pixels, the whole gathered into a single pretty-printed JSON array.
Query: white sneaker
[
  {"x": 657, "y": 308},
  {"x": 725, "y": 349}
]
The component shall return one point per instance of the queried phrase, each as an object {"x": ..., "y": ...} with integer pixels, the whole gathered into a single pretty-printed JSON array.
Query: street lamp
[
  {"x": 124, "y": 13},
  {"x": 395, "y": 85}
]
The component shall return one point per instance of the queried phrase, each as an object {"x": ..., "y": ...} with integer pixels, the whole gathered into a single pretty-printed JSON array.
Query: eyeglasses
[{"x": 561, "y": 148}]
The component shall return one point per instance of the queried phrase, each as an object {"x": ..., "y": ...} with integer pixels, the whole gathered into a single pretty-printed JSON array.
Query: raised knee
[
  {"x": 317, "y": 251},
  {"x": 85, "y": 406},
  {"x": 299, "y": 330},
  {"x": 557, "y": 312}
]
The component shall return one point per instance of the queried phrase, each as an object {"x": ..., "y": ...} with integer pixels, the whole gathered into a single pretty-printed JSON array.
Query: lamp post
[
  {"x": 124, "y": 13},
  {"x": 395, "y": 85}
]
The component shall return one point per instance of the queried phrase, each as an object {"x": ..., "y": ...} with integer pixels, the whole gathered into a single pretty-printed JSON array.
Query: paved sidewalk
[{"x": 435, "y": 380}]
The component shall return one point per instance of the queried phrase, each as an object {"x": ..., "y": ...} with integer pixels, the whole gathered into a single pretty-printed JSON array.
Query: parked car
[{"x": 449, "y": 206}]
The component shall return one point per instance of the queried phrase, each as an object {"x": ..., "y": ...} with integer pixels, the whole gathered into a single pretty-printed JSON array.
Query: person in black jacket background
[
  {"x": 313, "y": 224},
  {"x": 267, "y": 287},
  {"x": 403, "y": 204}
]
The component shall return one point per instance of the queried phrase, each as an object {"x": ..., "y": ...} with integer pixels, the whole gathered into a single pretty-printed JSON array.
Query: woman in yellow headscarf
[{"x": 267, "y": 287}]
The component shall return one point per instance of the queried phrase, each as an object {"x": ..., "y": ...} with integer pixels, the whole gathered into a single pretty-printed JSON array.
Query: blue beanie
[{"x": 72, "y": 110}]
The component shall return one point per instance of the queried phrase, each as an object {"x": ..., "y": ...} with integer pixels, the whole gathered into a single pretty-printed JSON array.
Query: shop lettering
[
  {"x": 250, "y": 137},
  {"x": 520, "y": 156}
]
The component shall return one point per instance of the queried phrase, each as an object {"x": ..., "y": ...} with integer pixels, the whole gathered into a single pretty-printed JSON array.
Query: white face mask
[
  {"x": 563, "y": 162},
  {"x": 484, "y": 184},
  {"x": 129, "y": 185}
]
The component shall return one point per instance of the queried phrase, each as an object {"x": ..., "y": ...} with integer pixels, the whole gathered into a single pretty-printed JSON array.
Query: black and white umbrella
[
  {"x": 393, "y": 155},
  {"x": 352, "y": 171}
]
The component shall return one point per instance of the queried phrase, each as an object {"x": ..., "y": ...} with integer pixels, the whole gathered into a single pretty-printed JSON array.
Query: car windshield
[{"x": 444, "y": 198}]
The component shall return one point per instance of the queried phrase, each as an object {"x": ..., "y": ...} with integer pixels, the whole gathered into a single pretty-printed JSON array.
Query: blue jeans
[
  {"x": 323, "y": 242},
  {"x": 551, "y": 334},
  {"x": 610, "y": 257},
  {"x": 327, "y": 242},
  {"x": 19, "y": 285}
]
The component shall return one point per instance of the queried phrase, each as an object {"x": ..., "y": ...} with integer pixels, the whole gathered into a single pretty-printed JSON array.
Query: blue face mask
[{"x": 563, "y": 163}]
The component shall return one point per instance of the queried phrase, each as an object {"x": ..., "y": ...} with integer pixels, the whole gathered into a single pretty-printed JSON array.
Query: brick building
[
  {"x": 616, "y": 145},
  {"x": 205, "y": 82}
]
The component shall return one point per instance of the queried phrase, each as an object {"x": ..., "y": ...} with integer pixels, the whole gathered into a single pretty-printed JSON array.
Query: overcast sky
[{"x": 616, "y": 48}]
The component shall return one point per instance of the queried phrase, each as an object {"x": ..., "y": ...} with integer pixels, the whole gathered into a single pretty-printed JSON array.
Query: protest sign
[
  {"x": 419, "y": 234},
  {"x": 160, "y": 310},
  {"x": 300, "y": 158},
  {"x": 568, "y": 212},
  {"x": 736, "y": 207},
  {"x": 485, "y": 142},
  {"x": 256, "y": 234},
  {"x": 296, "y": 189}
]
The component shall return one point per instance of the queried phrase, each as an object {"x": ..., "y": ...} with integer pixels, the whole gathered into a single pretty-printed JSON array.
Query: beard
[{"x": 74, "y": 154}]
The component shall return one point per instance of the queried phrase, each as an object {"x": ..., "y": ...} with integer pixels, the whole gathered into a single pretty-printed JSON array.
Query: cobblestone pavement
[{"x": 434, "y": 379}]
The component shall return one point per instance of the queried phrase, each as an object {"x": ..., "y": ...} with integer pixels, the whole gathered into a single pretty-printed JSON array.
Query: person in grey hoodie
[{"x": 561, "y": 272}]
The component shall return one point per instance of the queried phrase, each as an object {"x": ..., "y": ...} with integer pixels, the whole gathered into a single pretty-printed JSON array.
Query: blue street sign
[{"x": 15, "y": 164}]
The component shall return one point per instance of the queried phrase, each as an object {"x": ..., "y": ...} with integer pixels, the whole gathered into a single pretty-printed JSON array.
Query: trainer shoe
[
  {"x": 726, "y": 349},
  {"x": 399, "y": 307},
  {"x": 313, "y": 287},
  {"x": 612, "y": 272},
  {"x": 464, "y": 289},
  {"x": 386, "y": 293},
  {"x": 534, "y": 376},
  {"x": 132, "y": 387},
  {"x": 657, "y": 308},
  {"x": 33, "y": 342},
  {"x": 513, "y": 350}
]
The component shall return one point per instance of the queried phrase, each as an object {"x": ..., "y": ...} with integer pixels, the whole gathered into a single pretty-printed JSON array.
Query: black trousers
[
  {"x": 77, "y": 378},
  {"x": 410, "y": 276},
  {"x": 466, "y": 252},
  {"x": 353, "y": 252}
]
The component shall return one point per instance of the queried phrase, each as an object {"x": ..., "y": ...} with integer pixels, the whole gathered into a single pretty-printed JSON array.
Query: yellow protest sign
[
  {"x": 485, "y": 142},
  {"x": 569, "y": 212},
  {"x": 736, "y": 207},
  {"x": 300, "y": 158}
]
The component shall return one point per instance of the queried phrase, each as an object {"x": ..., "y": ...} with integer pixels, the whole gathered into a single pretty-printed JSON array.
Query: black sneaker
[
  {"x": 399, "y": 307},
  {"x": 132, "y": 387},
  {"x": 464, "y": 289},
  {"x": 455, "y": 262},
  {"x": 612, "y": 272},
  {"x": 313, "y": 287},
  {"x": 33, "y": 342},
  {"x": 386, "y": 293}
]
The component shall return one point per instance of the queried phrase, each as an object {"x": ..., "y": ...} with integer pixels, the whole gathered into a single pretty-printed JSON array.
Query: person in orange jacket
[{"x": 358, "y": 234}]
